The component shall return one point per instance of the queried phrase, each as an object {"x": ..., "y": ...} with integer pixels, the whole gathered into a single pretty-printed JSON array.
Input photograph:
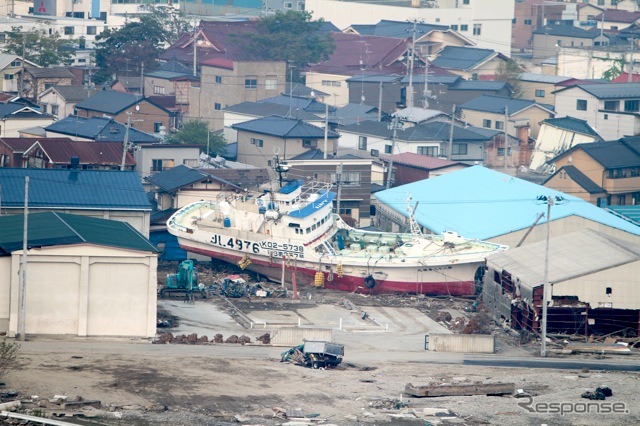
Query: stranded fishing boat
[{"x": 296, "y": 226}]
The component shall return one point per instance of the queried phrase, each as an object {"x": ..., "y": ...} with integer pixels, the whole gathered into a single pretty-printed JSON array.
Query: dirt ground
[{"x": 138, "y": 383}]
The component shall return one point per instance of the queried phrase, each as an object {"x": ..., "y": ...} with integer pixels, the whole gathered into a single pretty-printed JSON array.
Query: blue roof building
[{"x": 484, "y": 204}]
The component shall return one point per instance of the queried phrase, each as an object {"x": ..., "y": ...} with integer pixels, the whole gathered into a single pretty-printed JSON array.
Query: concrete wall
[
  {"x": 83, "y": 290},
  {"x": 468, "y": 343},
  {"x": 5, "y": 286}
]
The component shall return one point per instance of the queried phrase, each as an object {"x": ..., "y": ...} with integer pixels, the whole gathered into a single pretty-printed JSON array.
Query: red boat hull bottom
[{"x": 306, "y": 278}]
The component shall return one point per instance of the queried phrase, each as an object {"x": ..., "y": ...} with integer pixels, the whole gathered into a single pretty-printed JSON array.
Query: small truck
[{"x": 315, "y": 354}]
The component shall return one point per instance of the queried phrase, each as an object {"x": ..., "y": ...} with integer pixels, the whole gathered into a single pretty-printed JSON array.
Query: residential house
[
  {"x": 286, "y": 137},
  {"x": 612, "y": 110},
  {"x": 529, "y": 15},
  {"x": 152, "y": 158},
  {"x": 225, "y": 82},
  {"x": 547, "y": 40},
  {"x": 523, "y": 119},
  {"x": 175, "y": 84},
  {"x": 569, "y": 179},
  {"x": 106, "y": 194},
  {"x": 540, "y": 87},
  {"x": 99, "y": 129},
  {"x": 429, "y": 38},
  {"x": 587, "y": 14},
  {"x": 488, "y": 28},
  {"x": 614, "y": 166},
  {"x": 512, "y": 204},
  {"x": 409, "y": 167},
  {"x": 616, "y": 19},
  {"x": 15, "y": 117},
  {"x": 11, "y": 150},
  {"x": 470, "y": 63},
  {"x": 629, "y": 5},
  {"x": 247, "y": 111},
  {"x": 178, "y": 186},
  {"x": 596, "y": 62},
  {"x": 384, "y": 90},
  {"x": 592, "y": 288},
  {"x": 556, "y": 136},
  {"x": 352, "y": 173},
  {"x": 445, "y": 96},
  {"x": 37, "y": 80},
  {"x": 431, "y": 139},
  {"x": 354, "y": 113},
  {"x": 60, "y": 101},
  {"x": 64, "y": 153},
  {"x": 87, "y": 277},
  {"x": 10, "y": 67},
  {"x": 136, "y": 111},
  {"x": 354, "y": 55}
]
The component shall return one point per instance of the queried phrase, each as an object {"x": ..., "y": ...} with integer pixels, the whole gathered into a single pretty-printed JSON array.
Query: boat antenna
[
  {"x": 413, "y": 225},
  {"x": 281, "y": 168}
]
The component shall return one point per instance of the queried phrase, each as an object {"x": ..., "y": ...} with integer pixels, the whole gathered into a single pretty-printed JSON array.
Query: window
[
  {"x": 288, "y": 5},
  {"x": 331, "y": 83},
  {"x": 454, "y": 27},
  {"x": 611, "y": 105},
  {"x": 474, "y": 76},
  {"x": 477, "y": 29},
  {"x": 44, "y": 108},
  {"x": 217, "y": 106},
  {"x": 486, "y": 123},
  {"x": 431, "y": 151},
  {"x": 375, "y": 153},
  {"x": 539, "y": 93},
  {"x": 16, "y": 64},
  {"x": 218, "y": 79},
  {"x": 158, "y": 90},
  {"x": 465, "y": 1},
  {"x": 8, "y": 76},
  {"x": 606, "y": 116},
  {"x": 351, "y": 179},
  {"x": 621, "y": 200},
  {"x": 301, "y": 6},
  {"x": 251, "y": 83},
  {"x": 68, "y": 30},
  {"x": 608, "y": 291},
  {"x": 271, "y": 82},
  {"x": 161, "y": 165},
  {"x": 309, "y": 143},
  {"x": 459, "y": 149},
  {"x": 91, "y": 30},
  {"x": 387, "y": 149},
  {"x": 501, "y": 152},
  {"x": 464, "y": 27},
  {"x": 558, "y": 42},
  {"x": 499, "y": 125},
  {"x": 54, "y": 110},
  {"x": 157, "y": 127},
  {"x": 600, "y": 2},
  {"x": 632, "y": 105},
  {"x": 48, "y": 85},
  {"x": 362, "y": 143},
  {"x": 257, "y": 142},
  {"x": 527, "y": 21},
  {"x": 581, "y": 104}
]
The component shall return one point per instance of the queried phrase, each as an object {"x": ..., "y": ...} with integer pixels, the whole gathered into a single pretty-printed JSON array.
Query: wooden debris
[{"x": 460, "y": 390}]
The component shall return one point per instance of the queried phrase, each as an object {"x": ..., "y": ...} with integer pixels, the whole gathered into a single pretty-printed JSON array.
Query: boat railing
[{"x": 313, "y": 187}]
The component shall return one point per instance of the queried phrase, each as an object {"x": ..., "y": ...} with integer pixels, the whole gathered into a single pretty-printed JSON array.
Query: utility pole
[
  {"x": 425, "y": 92},
  {"x": 453, "y": 117},
  {"x": 22, "y": 317},
  {"x": 24, "y": 47},
  {"x": 195, "y": 49},
  {"x": 339, "y": 185},
  {"x": 394, "y": 125},
  {"x": 380, "y": 102},
  {"x": 630, "y": 79},
  {"x": 506, "y": 135},
  {"x": 545, "y": 279},
  {"x": 290, "y": 89},
  {"x": 326, "y": 128},
  {"x": 126, "y": 141},
  {"x": 142, "y": 79},
  {"x": 411, "y": 59}
]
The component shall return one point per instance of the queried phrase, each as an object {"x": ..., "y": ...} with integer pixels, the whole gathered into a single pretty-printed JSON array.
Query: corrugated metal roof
[
  {"x": 305, "y": 103},
  {"x": 434, "y": 131},
  {"x": 497, "y": 104},
  {"x": 478, "y": 85},
  {"x": 397, "y": 29},
  {"x": 73, "y": 93},
  {"x": 462, "y": 58},
  {"x": 572, "y": 124},
  {"x": 19, "y": 145},
  {"x": 109, "y": 101},
  {"x": 52, "y": 228},
  {"x": 181, "y": 176},
  {"x": 98, "y": 128},
  {"x": 74, "y": 189},
  {"x": 265, "y": 109},
  {"x": 53, "y": 72},
  {"x": 631, "y": 213},
  {"x": 618, "y": 15},
  {"x": 482, "y": 203},
  {"x": 542, "y": 78},
  {"x": 422, "y": 161},
  {"x": 568, "y": 31},
  {"x": 60, "y": 151},
  {"x": 570, "y": 256},
  {"x": 612, "y": 154},
  {"x": 612, "y": 90},
  {"x": 287, "y": 128}
]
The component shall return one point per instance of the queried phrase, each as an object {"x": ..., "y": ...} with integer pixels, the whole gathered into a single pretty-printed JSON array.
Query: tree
[
  {"x": 291, "y": 36},
  {"x": 39, "y": 47},
  {"x": 197, "y": 132},
  {"x": 130, "y": 46},
  {"x": 510, "y": 71},
  {"x": 170, "y": 19},
  {"x": 8, "y": 355}
]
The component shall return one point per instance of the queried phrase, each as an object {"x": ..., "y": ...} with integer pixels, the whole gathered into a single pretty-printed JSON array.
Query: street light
[{"x": 550, "y": 201}]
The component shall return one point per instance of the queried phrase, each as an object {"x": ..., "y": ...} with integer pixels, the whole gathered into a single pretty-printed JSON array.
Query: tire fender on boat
[{"x": 369, "y": 281}]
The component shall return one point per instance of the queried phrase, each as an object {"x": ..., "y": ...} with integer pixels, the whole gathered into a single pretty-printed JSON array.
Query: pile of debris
[{"x": 193, "y": 339}]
